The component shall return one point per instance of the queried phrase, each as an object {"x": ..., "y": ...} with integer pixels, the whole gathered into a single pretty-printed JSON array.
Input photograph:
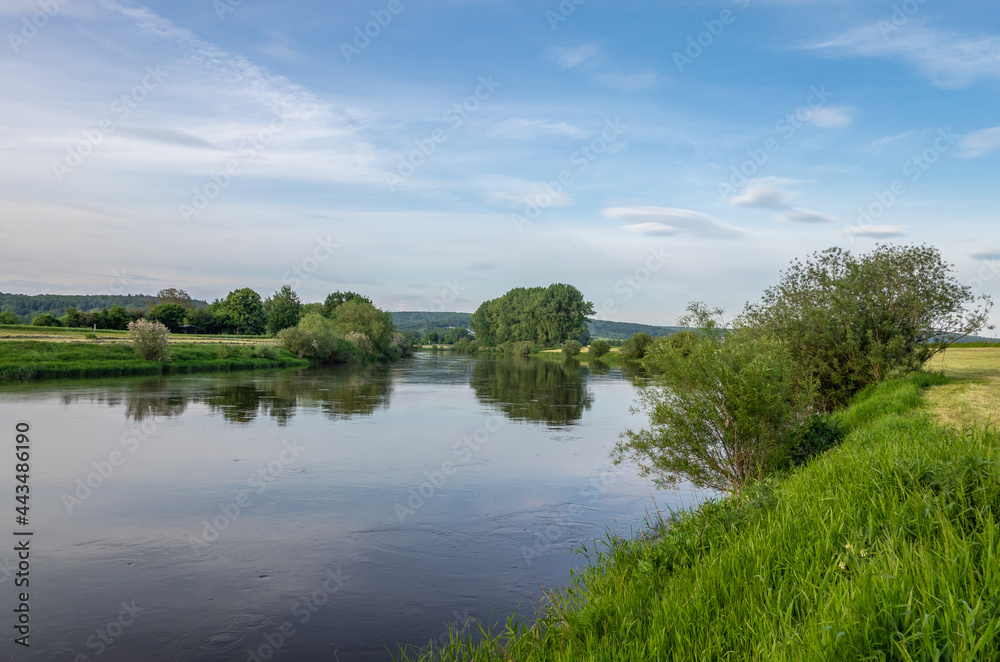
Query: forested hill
[
  {"x": 28, "y": 306},
  {"x": 424, "y": 322}
]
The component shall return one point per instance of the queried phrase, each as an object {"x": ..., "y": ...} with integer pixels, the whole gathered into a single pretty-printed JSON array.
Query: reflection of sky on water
[{"x": 373, "y": 441}]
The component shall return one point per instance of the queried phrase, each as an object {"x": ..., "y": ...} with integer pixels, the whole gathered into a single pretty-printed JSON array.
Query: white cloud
[
  {"x": 518, "y": 128},
  {"x": 831, "y": 118},
  {"x": 980, "y": 142},
  {"x": 986, "y": 254},
  {"x": 667, "y": 221},
  {"x": 807, "y": 216},
  {"x": 949, "y": 59},
  {"x": 570, "y": 57},
  {"x": 877, "y": 231},
  {"x": 765, "y": 194},
  {"x": 642, "y": 80}
]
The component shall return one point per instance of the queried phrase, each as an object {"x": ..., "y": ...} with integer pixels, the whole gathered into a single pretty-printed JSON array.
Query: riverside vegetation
[{"x": 851, "y": 522}]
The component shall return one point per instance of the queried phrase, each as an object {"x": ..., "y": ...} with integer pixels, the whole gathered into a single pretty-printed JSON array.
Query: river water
[{"x": 309, "y": 515}]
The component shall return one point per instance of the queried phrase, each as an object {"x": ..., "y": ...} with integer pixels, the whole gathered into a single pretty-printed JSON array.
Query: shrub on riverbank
[
  {"x": 883, "y": 548},
  {"x": 599, "y": 348},
  {"x": 150, "y": 340}
]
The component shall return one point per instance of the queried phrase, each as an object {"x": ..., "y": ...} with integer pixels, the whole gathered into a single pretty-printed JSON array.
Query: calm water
[{"x": 312, "y": 515}]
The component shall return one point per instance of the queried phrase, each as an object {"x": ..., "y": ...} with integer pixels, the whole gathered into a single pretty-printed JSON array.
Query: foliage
[
  {"x": 209, "y": 320},
  {"x": 7, "y": 317},
  {"x": 554, "y": 393},
  {"x": 149, "y": 340},
  {"x": 336, "y": 299},
  {"x": 45, "y": 320},
  {"x": 853, "y": 321},
  {"x": 362, "y": 342},
  {"x": 624, "y": 330},
  {"x": 599, "y": 348},
  {"x": 115, "y": 318},
  {"x": 282, "y": 310},
  {"x": 173, "y": 295},
  {"x": 245, "y": 311},
  {"x": 315, "y": 337},
  {"x": 637, "y": 346},
  {"x": 171, "y": 315},
  {"x": 571, "y": 347},
  {"x": 547, "y": 316},
  {"x": 75, "y": 319},
  {"x": 28, "y": 306},
  {"x": 355, "y": 316},
  {"x": 723, "y": 409},
  {"x": 816, "y": 436}
]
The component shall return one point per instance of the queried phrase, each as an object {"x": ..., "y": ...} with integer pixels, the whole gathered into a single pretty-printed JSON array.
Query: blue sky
[{"x": 435, "y": 154}]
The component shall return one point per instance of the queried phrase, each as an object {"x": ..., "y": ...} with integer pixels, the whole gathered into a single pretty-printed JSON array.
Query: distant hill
[
  {"x": 424, "y": 322},
  {"x": 29, "y": 306}
]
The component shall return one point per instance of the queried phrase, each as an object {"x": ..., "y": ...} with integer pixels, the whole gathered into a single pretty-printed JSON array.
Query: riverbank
[
  {"x": 885, "y": 546},
  {"x": 26, "y": 360}
]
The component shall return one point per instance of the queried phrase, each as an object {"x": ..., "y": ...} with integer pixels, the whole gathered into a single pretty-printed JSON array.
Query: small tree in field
[
  {"x": 149, "y": 340},
  {"x": 599, "y": 348},
  {"x": 723, "y": 411},
  {"x": 571, "y": 347}
]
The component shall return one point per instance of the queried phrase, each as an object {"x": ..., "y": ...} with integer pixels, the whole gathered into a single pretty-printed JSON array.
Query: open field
[
  {"x": 972, "y": 395},
  {"x": 58, "y": 334}
]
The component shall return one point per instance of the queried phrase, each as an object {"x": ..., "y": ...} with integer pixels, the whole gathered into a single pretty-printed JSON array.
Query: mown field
[
  {"x": 58, "y": 334},
  {"x": 884, "y": 548}
]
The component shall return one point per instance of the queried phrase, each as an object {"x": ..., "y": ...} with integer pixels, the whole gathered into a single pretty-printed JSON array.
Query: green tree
[
  {"x": 855, "y": 320},
  {"x": 149, "y": 340},
  {"x": 722, "y": 414},
  {"x": 334, "y": 300},
  {"x": 7, "y": 317},
  {"x": 546, "y": 316},
  {"x": 45, "y": 320},
  {"x": 315, "y": 337},
  {"x": 170, "y": 315},
  {"x": 282, "y": 310},
  {"x": 173, "y": 295},
  {"x": 636, "y": 346},
  {"x": 355, "y": 316},
  {"x": 75, "y": 319},
  {"x": 571, "y": 347},
  {"x": 245, "y": 311},
  {"x": 599, "y": 348}
]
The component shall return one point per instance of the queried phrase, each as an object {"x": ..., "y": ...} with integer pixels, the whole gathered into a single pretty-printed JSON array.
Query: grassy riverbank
[
  {"x": 887, "y": 547},
  {"x": 23, "y": 360}
]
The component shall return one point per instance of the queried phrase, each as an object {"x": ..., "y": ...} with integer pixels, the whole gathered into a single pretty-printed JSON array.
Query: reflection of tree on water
[{"x": 532, "y": 390}]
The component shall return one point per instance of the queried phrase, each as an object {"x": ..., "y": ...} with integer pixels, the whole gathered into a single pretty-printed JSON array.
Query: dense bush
[
  {"x": 545, "y": 315},
  {"x": 636, "y": 346},
  {"x": 170, "y": 315},
  {"x": 571, "y": 347},
  {"x": 599, "y": 348},
  {"x": 363, "y": 318},
  {"x": 315, "y": 337},
  {"x": 149, "y": 340},
  {"x": 45, "y": 320},
  {"x": 7, "y": 317}
]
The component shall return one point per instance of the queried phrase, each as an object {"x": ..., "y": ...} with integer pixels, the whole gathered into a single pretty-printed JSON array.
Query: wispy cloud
[
  {"x": 519, "y": 128},
  {"x": 806, "y": 216},
  {"x": 948, "y": 59},
  {"x": 877, "y": 231},
  {"x": 571, "y": 57},
  {"x": 980, "y": 142},
  {"x": 832, "y": 118},
  {"x": 986, "y": 254},
  {"x": 765, "y": 193},
  {"x": 642, "y": 80},
  {"x": 668, "y": 221}
]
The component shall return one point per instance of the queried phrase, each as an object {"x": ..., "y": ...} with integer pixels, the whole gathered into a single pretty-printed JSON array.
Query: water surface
[{"x": 312, "y": 515}]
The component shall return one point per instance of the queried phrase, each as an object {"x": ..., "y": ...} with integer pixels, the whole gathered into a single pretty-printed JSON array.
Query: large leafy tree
[
  {"x": 855, "y": 320},
  {"x": 282, "y": 310},
  {"x": 336, "y": 299},
  {"x": 170, "y": 315},
  {"x": 245, "y": 311},
  {"x": 543, "y": 315},
  {"x": 361, "y": 317},
  {"x": 173, "y": 295}
]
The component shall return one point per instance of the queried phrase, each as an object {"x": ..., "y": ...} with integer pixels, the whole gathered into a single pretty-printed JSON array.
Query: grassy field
[
  {"x": 972, "y": 395},
  {"x": 884, "y": 548},
  {"x": 24, "y": 360},
  {"x": 58, "y": 334}
]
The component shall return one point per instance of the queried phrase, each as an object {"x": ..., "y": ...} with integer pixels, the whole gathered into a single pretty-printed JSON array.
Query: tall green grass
[
  {"x": 884, "y": 548},
  {"x": 25, "y": 360}
]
